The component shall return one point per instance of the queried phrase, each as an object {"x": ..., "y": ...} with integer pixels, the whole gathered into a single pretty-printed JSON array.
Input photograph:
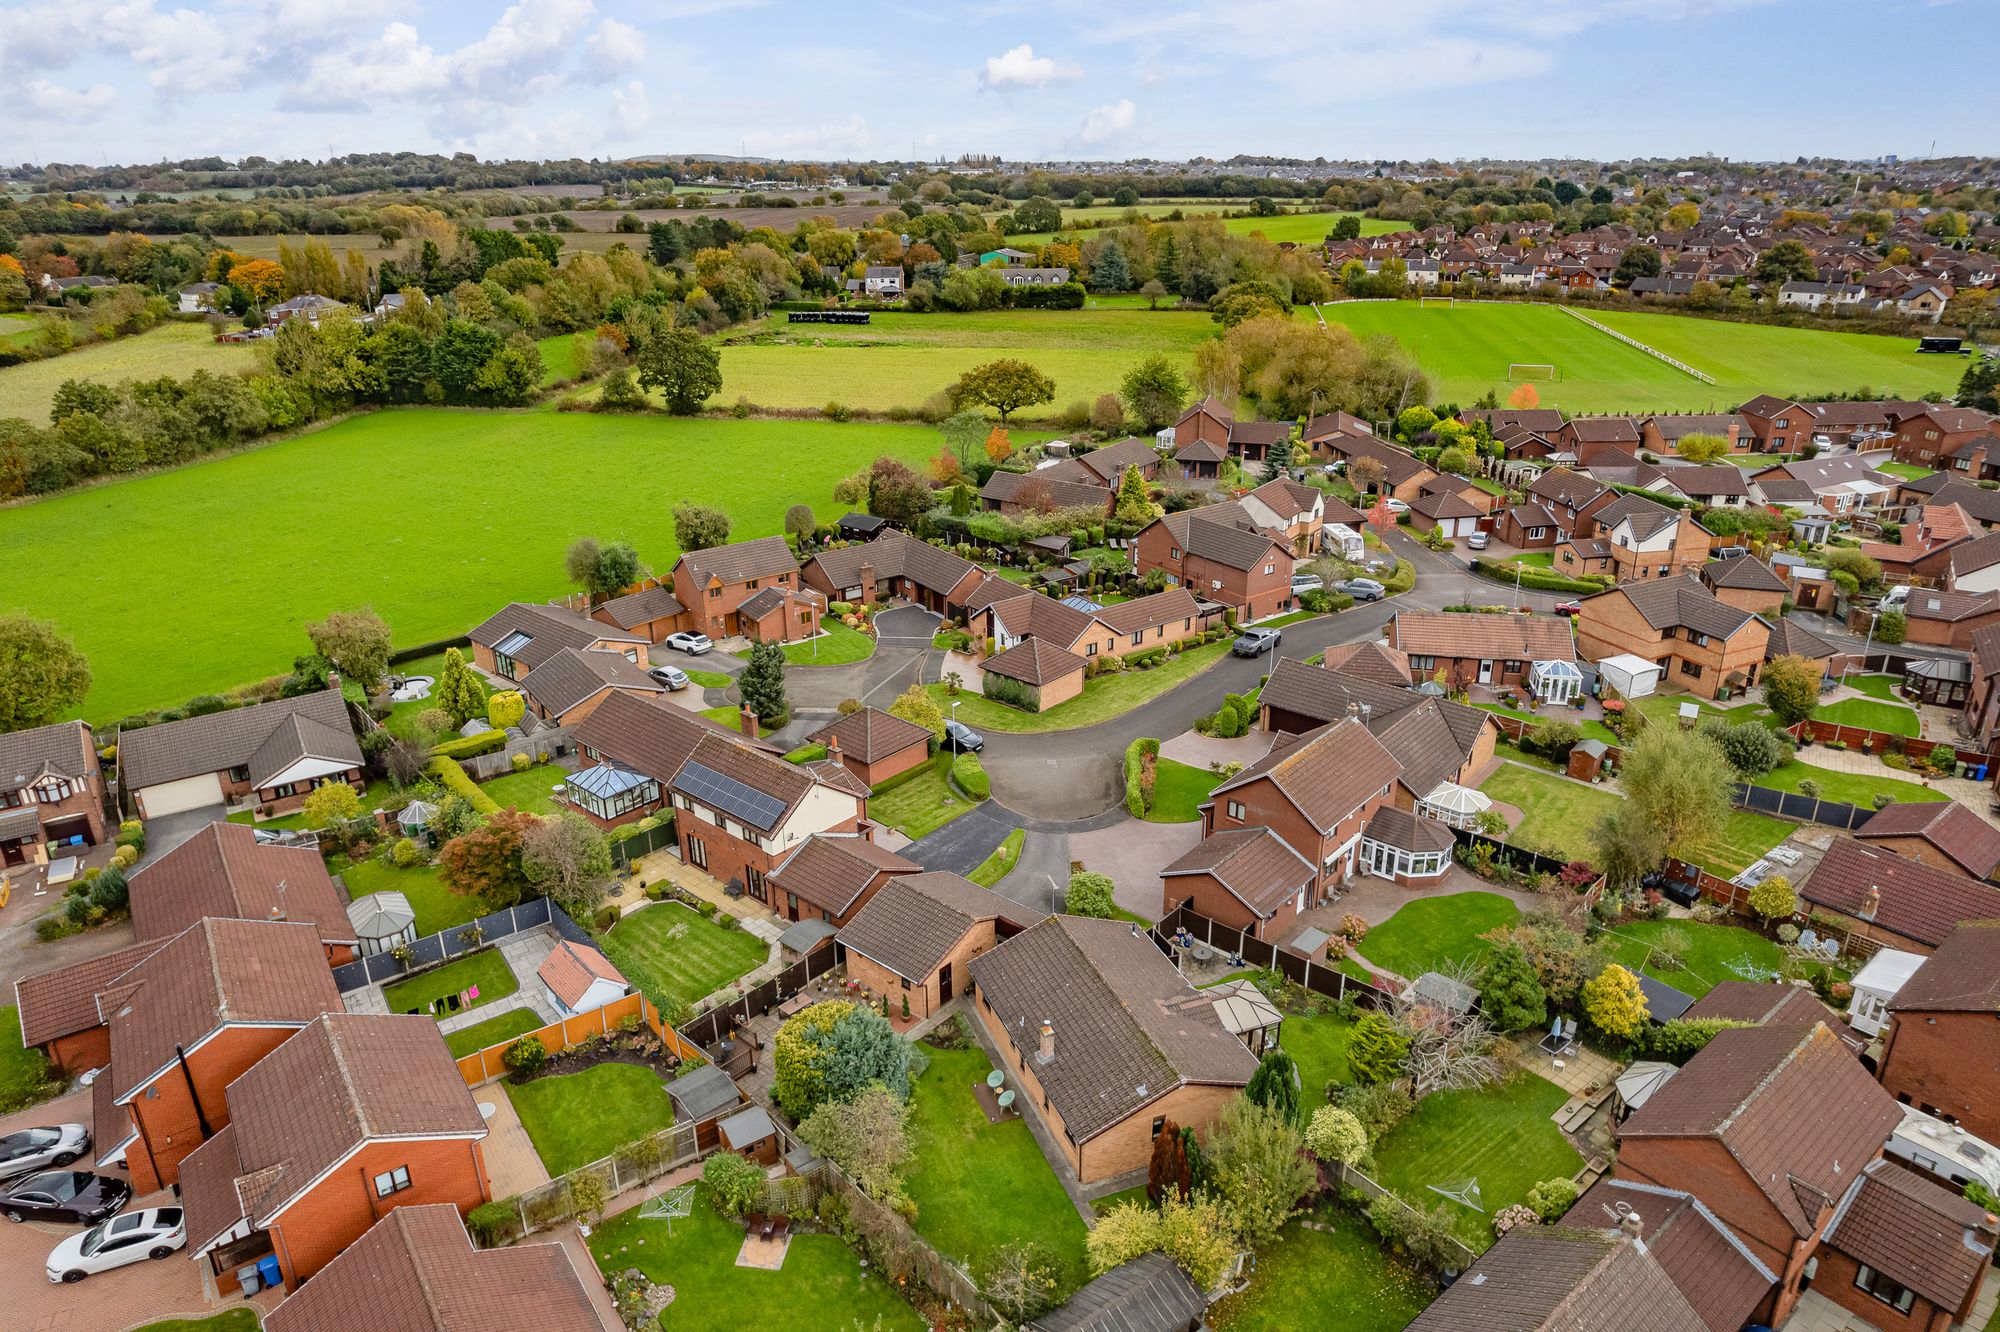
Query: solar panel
[{"x": 730, "y": 796}]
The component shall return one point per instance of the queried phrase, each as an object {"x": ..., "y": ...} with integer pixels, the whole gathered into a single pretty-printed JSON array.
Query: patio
[{"x": 668, "y": 865}]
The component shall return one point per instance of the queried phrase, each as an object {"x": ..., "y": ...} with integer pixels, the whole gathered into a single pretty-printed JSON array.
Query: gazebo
[
  {"x": 382, "y": 921},
  {"x": 1455, "y": 806},
  {"x": 1246, "y": 1013},
  {"x": 1555, "y": 681},
  {"x": 415, "y": 817}
]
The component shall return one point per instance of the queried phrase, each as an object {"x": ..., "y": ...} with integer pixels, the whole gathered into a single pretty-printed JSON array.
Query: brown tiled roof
[
  {"x": 416, "y": 1270},
  {"x": 872, "y": 734},
  {"x": 1200, "y": 450},
  {"x": 1559, "y": 1279},
  {"x": 550, "y": 629},
  {"x": 1675, "y": 425},
  {"x": 1789, "y": 640},
  {"x": 1789, "y": 1102},
  {"x": 1327, "y": 776},
  {"x": 1542, "y": 420},
  {"x": 343, "y": 1081},
  {"x": 767, "y": 599},
  {"x": 1032, "y": 615},
  {"x": 1675, "y": 603},
  {"x": 1258, "y": 867},
  {"x": 1143, "y": 1294},
  {"x": 1110, "y": 462},
  {"x": 737, "y": 562},
  {"x": 1288, "y": 498},
  {"x": 1034, "y": 661},
  {"x": 1398, "y": 466},
  {"x": 1962, "y": 976},
  {"x": 240, "y": 737},
  {"x": 1563, "y": 486},
  {"x": 783, "y": 782},
  {"x": 1371, "y": 659},
  {"x": 571, "y": 969},
  {"x": 1936, "y": 603},
  {"x": 1428, "y": 743},
  {"x": 913, "y": 921},
  {"x": 1326, "y": 695},
  {"x": 1006, "y": 487},
  {"x": 1259, "y": 432},
  {"x": 1500, "y": 637},
  {"x": 1744, "y": 572},
  {"x": 1128, "y": 1026},
  {"x": 570, "y": 677},
  {"x": 65, "y": 747},
  {"x": 223, "y": 870},
  {"x": 63, "y": 1002},
  {"x": 1915, "y": 1233},
  {"x": 655, "y": 603},
  {"x": 1917, "y": 901},
  {"x": 1760, "y": 1002},
  {"x": 1645, "y": 517},
  {"x": 1979, "y": 553},
  {"x": 896, "y": 555},
  {"x": 1969, "y": 841},
  {"x": 1161, "y": 608},
  {"x": 1444, "y": 504},
  {"x": 1217, "y": 536},
  {"x": 1782, "y": 489},
  {"x": 649, "y": 737},
  {"x": 1329, "y": 423},
  {"x": 830, "y": 870},
  {"x": 832, "y": 772},
  {"x": 1407, "y": 832},
  {"x": 206, "y": 977},
  {"x": 1707, "y": 1262}
]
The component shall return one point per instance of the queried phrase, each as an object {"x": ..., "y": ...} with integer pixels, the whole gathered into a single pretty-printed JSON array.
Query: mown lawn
[
  {"x": 671, "y": 952},
  {"x": 1853, "y": 788},
  {"x": 1430, "y": 931},
  {"x": 1558, "y": 814},
  {"x": 1875, "y": 686},
  {"x": 437, "y": 907},
  {"x": 921, "y": 803},
  {"x": 1908, "y": 471},
  {"x": 821, "y": 1285},
  {"x": 1001, "y": 863},
  {"x": 1745, "y": 836},
  {"x": 486, "y": 972},
  {"x": 837, "y": 645},
  {"x": 230, "y": 1320},
  {"x": 402, "y": 718},
  {"x": 1501, "y": 1136},
  {"x": 1103, "y": 698},
  {"x": 493, "y": 1031},
  {"x": 576, "y": 1118},
  {"x": 530, "y": 790},
  {"x": 1714, "y": 953},
  {"x": 1871, "y": 715},
  {"x": 1592, "y": 730},
  {"x": 1340, "y": 1273},
  {"x": 978, "y": 1186},
  {"x": 1319, "y": 1046},
  {"x": 177, "y": 349},
  {"x": 25, "y": 1075},
  {"x": 196, "y": 607},
  {"x": 1179, "y": 790}
]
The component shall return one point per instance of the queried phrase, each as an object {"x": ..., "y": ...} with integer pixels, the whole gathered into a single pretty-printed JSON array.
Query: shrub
[
  {"x": 1425, "y": 1236},
  {"x": 491, "y": 1222},
  {"x": 406, "y": 853},
  {"x": 735, "y": 1182},
  {"x": 470, "y": 746},
  {"x": 1335, "y": 1134},
  {"x": 1089, "y": 894},
  {"x": 1773, "y": 897},
  {"x": 526, "y": 1056},
  {"x": 970, "y": 776},
  {"x": 1552, "y": 1197},
  {"x": 108, "y": 891},
  {"x": 1614, "y": 1003},
  {"x": 125, "y": 857},
  {"x": 1682, "y": 1039},
  {"x": 519, "y": 763},
  {"x": 1377, "y": 1049},
  {"x": 506, "y": 708},
  {"x": 451, "y": 775},
  {"x": 1137, "y": 799},
  {"x": 1013, "y": 693},
  {"x": 1752, "y": 748}
]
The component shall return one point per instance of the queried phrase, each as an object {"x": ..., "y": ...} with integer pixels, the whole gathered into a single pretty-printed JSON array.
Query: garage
[
  {"x": 1448, "y": 511},
  {"x": 179, "y": 796}
]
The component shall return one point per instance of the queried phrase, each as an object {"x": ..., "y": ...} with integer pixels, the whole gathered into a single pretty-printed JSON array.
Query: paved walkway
[
  {"x": 1203, "y": 751},
  {"x": 511, "y": 1160},
  {"x": 1975, "y": 796}
]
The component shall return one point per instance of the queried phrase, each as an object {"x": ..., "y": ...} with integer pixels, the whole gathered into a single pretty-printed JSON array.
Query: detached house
[
  {"x": 1943, "y": 834},
  {"x": 830, "y": 876},
  {"x": 1942, "y": 1050},
  {"x": 1298, "y": 511},
  {"x": 894, "y": 565},
  {"x": 1564, "y": 1279},
  {"x": 652, "y": 613},
  {"x": 874, "y": 745},
  {"x": 1664, "y": 433},
  {"x": 1747, "y": 584},
  {"x": 1220, "y": 556},
  {"x": 521, "y": 636},
  {"x": 1931, "y": 437},
  {"x": 1531, "y": 652},
  {"x": 52, "y": 792},
  {"x": 567, "y": 686},
  {"x": 751, "y": 589},
  {"x": 269, "y": 755},
  {"x": 1876, "y": 894},
  {"x": 225, "y": 872},
  {"x": 914, "y": 940},
  {"x": 1702, "y": 644},
  {"x": 58, "y": 1009},
  {"x": 1638, "y": 539}
]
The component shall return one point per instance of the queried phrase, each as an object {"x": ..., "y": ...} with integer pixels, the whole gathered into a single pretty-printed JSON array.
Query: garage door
[{"x": 174, "y": 797}]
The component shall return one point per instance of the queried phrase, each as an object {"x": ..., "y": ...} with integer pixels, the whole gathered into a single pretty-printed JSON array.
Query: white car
[
  {"x": 692, "y": 644},
  {"x": 1395, "y": 505},
  {"x": 41, "y": 1148},
  {"x": 153, "y": 1233}
]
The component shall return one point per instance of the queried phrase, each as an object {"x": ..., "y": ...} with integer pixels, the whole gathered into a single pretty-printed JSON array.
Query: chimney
[
  {"x": 1047, "y": 1048},
  {"x": 748, "y": 721},
  {"x": 333, "y": 681},
  {"x": 1353, "y": 711},
  {"x": 1871, "y": 902},
  {"x": 1631, "y": 1224},
  {"x": 866, "y": 577},
  {"x": 833, "y": 748}
]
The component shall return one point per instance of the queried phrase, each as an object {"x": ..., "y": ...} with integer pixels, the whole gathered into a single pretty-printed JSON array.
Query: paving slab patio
[
  {"x": 1133, "y": 852},
  {"x": 512, "y": 1163}
]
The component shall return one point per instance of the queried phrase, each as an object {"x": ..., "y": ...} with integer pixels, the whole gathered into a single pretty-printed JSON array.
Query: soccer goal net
[
  {"x": 1426, "y": 302},
  {"x": 1531, "y": 370}
]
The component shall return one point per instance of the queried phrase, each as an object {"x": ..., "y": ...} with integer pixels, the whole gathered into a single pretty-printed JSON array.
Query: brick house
[
  {"x": 1893, "y": 900},
  {"x": 1138, "y": 625},
  {"x": 1501, "y": 651},
  {"x": 653, "y": 612},
  {"x": 1199, "y": 460},
  {"x": 1571, "y": 498},
  {"x": 1702, "y": 645},
  {"x": 895, "y": 565},
  {"x": 51, "y": 791},
  {"x": 1719, "y": 485},
  {"x": 1447, "y": 511},
  {"x": 1048, "y": 672},
  {"x": 568, "y": 686},
  {"x": 1664, "y": 433},
  {"x": 1403, "y": 476},
  {"x": 874, "y": 745},
  {"x": 1012, "y": 494},
  {"x": 1777, "y": 425},
  {"x": 830, "y": 876},
  {"x": 521, "y": 635},
  {"x": 913, "y": 941},
  {"x": 630, "y": 747},
  {"x": 1767, "y": 1126},
  {"x": 1941, "y": 1052},
  {"x": 1788, "y": 640},
  {"x": 1219, "y": 555},
  {"x": 1206, "y": 422},
  {"x": 1940, "y": 618},
  {"x": 1298, "y": 511},
  {"x": 1323, "y": 433},
  {"x": 1450, "y": 483},
  {"x": 1904, "y": 1254},
  {"x": 1982, "y": 717},
  {"x": 1973, "y": 565},
  {"x": 1932, "y": 436},
  {"x": 58, "y": 1008},
  {"x": 1528, "y": 526},
  {"x": 224, "y": 871},
  {"x": 1105, "y": 1040},
  {"x": 268, "y": 755},
  {"x": 1941, "y": 833},
  {"x": 1647, "y": 540},
  {"x": 1618, "y": 431},
  {"x": 1105, "y": 465},
  {"x": 417, "y": 1268},
  {"x": 1840, "y": 485},
  {"x": 187, "y": 1021},
  {"x": 746, "y": 588},
  {"x": 385, "y": 1122},
  {"x": 1747, "y": 584},
  {"x": 1556, "y": 1278},
  {"x": 1248, "y": 878}
]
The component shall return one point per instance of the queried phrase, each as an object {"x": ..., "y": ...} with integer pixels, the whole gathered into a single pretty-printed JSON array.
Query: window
[
  {"x": 1090, "y": 649},
  {"x": 1236, "y": 810},
  {"x": 1174, "y": 553},
  {"x": 1140, "y": 637},
  {"x": 715, "y": 594},
  {"x": 1159, "y": 1122},
  {"x": 905, "y": 980},
  {"x": 1692, "y": 670},
  {"x": 395, "y": 1181},
  {"x": 1513, "y": 667},
  {"x": 1419, "y": 663},
  {"x": 1270, "y": 568},
  {"x": 240, "y": 773},
  {"x": 752, "y": 585},
  {"x": 1892, "y": 1293}
]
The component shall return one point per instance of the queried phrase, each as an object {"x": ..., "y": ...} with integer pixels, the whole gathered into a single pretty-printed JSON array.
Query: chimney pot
[
  {"x": 748, "y": 720},
  {"x": 1632, "y": 1224},
  {"x": 833, "y": 746},
  {"x": 1871, "y": 901},
  {"x": 1047, "y": 1048}
]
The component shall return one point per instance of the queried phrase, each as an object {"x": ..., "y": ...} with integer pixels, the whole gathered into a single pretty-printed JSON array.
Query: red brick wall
[
  {"x": 1835, "y": 1280},
  {"x": 712, "y": 615},
  {"x": 1949, "y": 1062},
  {"x": 81, "y": 1052},
  {"x": 312, "y": 1231},
  {"x": 1216, "y": 902},
  {"x": 169, "y": 1129}
]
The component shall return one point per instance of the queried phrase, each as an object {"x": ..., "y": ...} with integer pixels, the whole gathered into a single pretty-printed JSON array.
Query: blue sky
[{"x": 138, "y": 80}]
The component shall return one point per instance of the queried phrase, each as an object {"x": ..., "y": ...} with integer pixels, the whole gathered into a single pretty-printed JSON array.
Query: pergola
[{"x": 1246, "y": 1013}]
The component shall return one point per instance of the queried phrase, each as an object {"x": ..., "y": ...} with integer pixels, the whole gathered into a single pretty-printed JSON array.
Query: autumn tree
[
  {"x": 1773, "y": 897},
  {"x": 42, "y": 675},
  {"x": 485, "y": 862},
  {"x": 1702, "y": 448},
  {"x": 1525, "y": 398},
  {"x": 1005, "y": 385},
  {"x": 944, "y": 468},
  {"x": 258, "y": 279},
  {"x": 355, "y": 643},
  {"x": 330, "y": 802},
  {"x": 1366, "y": 474},
  {"x": 999, "y": 448},
  {"x": 915, "y": 705},
  {"x": 1257, "y": 1158},
  {"x": 567, "y": 860},
  {"x": 1614, "y": 1003},
  {"x": 1167, "y": 1172}
]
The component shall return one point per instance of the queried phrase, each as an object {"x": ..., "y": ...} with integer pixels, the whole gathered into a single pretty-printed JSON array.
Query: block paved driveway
[{"x": 110, "y": 1301}]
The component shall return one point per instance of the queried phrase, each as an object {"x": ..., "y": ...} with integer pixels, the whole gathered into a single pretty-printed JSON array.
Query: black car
[{"x": 64, "y": 1195}]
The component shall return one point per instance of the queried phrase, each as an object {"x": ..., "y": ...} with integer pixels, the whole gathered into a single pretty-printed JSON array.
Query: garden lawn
[
  {"x": 1103, "y": 698},
  {"x": 1319, "y": 1046},
  {"x": 837, "y": 645},
  {"x": 487, "y": 970},
  {"x": 1500, "y": 1135},
  {"x": 428, "y": 557},
  {"x": 1340, "y": 1273},
  {"x": 402, "y": 718},
  {"x": 709, "y": 679},
  {"x": 24, "y": 1074},
  {"x": 381, "y": 794},
  {"x": 1908, "y": 471},
  {"x": 1875, "y": 686},
  {"x": 978, "y": 1186},
  {"x": 727, "y": 715},
  {"x": 577, "y": 1118},
  {"x": 230, "y": 1320},
  {"x": 1178, "y": 791},
  {"x": 1001, "y": 863},
  {"x": 1430, "y": 931},
  {"x": 921, "y": 803},
  {"x": 437, "y": 906},
  {"x": 1744, "y": 837},
  {"x": 1852, "y": 788},
  {"x": 493, "y": 1031},
  {"x": 176, "y": 349},
  {"x": 1715, "y": 953},
  {"x": 672, "y": 952},
  {"x": 1870, "y": 715},
  {"x": 1592, "y": 730},
  {"x": 821, "y": 1285},
  {"x": 529, "y": 790},
  {"x": 1557, "y": 813}
]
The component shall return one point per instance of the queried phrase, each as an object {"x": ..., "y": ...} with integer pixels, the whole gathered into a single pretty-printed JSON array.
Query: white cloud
[
  {"x": 1022, "y": 68},
  {"x": 1107, "y": 122},
  {"x": 631, "y": 109},
  {"x": 615, "y": 47},
  {"x": 40, "y": 99},
  {"x": 846, "y": 138},
  {"x": 522, "y": 43}
]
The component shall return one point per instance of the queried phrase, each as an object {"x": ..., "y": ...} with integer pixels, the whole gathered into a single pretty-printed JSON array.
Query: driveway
[
  {"x": 902, "y": 651},
  {"x": 1041, "y": 878},
  {"x": 966, "y": 841},
  {"x": 164, "y": 834},
  {"x": 1133, "y": 853}
]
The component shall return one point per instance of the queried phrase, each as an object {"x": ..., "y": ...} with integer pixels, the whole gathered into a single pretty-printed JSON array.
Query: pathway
[{"x": 1975, "y": 796}]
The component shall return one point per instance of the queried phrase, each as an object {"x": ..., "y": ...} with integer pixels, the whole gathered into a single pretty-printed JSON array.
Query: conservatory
[
  {"x": 1454, "y": 805},
  {"x": 1555, "y": 681}
]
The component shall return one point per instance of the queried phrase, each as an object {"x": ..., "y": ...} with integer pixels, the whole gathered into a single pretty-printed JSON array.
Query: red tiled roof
[
  {"x": 224, "y": 871},
  {"x": 572, "y": 968},
  {"x": 1970, "y": 842},
  {"x": 1962, "y": 976},
  {"x": 1916, "y": 901}
]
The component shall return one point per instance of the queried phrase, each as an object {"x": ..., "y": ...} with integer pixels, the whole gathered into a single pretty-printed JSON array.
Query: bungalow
[
  {"x": 349, "y": 1119},
  {"x": 1501, "y": 651},
  {"x": 873, "y": 745},
  {"x": 1876, "y": 894},
  {"x": 566, "y": 687},
  {"x": 309, "y": 307},
  {"x": 1663, "y": 433},
  {"x": 1199, "y": 460},
  {"x": 58, "y": 1008},
  {"x": 580, "y": 979},
  {"x": 1131, "y": 626},
  {"x": 1705, "y": 646},
  {"x": 1528, "y": 526},
  {"x": 1322, "y": 432},
  {"x": 1941, "y": 833},
  {"x": 1939, "y": 618},
  {"x": 1574, "y": 1276},
  {"x": 1040, "y": 673},
  {"x": 1015, "y": 275},
  {"x": 830, "y": 876},
  {"x": 199, "y": 296},
  {"x": 269, "y": 755},
  {"x": 224, "y": 871},
  {"x": 913, "y": 941},
  {"x": 1403, "y": 475},
  {"x": 1221, "y": 555},
  {"x": 747, "y": 588},
  {"x": 1543, "y": 421},
  {"x": 1105, "y": 1039},
  {"x": 1012, "y": 494},
  {"x": 1789, "y": 640},
  {"x": 1106, "y": 466},
  {"x": 52, "y": 792},
  {"x": 1446, "y": 511},
  {"x": 1578, "y": 431},
  {"x": 894, "y": 565},
  {"x": 1251, "y": 442},
  {"x": 1841, "y": 485},
  {"x": 1746, "y": 583},
  {"x": 1720, "y": 485},
  {"x": 1941, "y": 1053},
  {"x": 522, "y": 635}
]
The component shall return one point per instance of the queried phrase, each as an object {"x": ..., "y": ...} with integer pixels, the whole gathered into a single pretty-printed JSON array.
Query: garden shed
[
  {"x": 382, "y": 921},
  {"x": 703, "y": 1094},
  {"x": 1586, "y": 759},
  {"x": 751, "y": 1134},
  {"x": 1632, "y": 677}
]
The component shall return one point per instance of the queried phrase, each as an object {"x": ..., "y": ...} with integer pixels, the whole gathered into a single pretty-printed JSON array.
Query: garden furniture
[
  {"x": 995, "y": 1078},
  {"x": 1006, "y": 1099}
]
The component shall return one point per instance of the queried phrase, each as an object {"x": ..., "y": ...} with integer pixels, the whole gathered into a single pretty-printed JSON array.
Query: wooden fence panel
[{"x": 485, "y": 1065}]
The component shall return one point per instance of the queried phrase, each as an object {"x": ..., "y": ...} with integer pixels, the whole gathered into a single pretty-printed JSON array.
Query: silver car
[
  {"x": 40, "y": 1148},
  {"x": 672, "y": 677}
]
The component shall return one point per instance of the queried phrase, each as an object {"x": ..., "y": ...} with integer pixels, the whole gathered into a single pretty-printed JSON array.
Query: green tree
[
  {"x": 1752, "y": 748},
  {"x": 331, "y": 802},
  {"x": 1457, "y": 460},
  {"x": 1678, "y": 782},
  {"x": 1135, "y": 504},
  {"x": 1336, "y": 1135},
  {"x": 1866, "y": 570},
  {"x": 1005, "y": 385},
  {"x": 1787, "y": 261},
  {"x": 1638, "y": 261},
  {"x": 567, "y": 860},
  {"x": 1510, "y": 992},
  {"x": 916, "y": 705},
  {"x": 1791, "y": 688},
  {"x": 355, "y": 643},
  {"x": 1377, "y": 1049},
  {"x": 798, "y": 1053},
  {"x": 1550, "y": 1198},
  {"x": 1346, "y": 227},
  {"x": 1109, "y": 271},
  {"x": 1979, "y": 387},
  {"x": 1154, "y": 392},
  {"x": 1036, "y": 215},
  {"x": 799, "y": 522},
  {"x": 684, "y": 366},
  {"x": 734, "y": 1182},
  {"x": 763, "y": 684},
  {"x": 505, "y": 707},
  {"x": 965, "y": 432},
  {"x": 866, "y": 1135},
  {"x": 698, "y": 527},
  {"x": 602, "y": 570},
  {"x": 1702, "y": 448},
  {"x": 1258, "y": 1161},
  {"x": 1626, "y": 847},
  {"x": 458, "y": 689},
  {"x": 1773, "y": 898},
  {"x": 1275, "y": 1085},
  {"x": 1090, "y": 894},
  {"x": 42, "y": 675},
  {"x": 1891, "y": 627},
  {"x": 1614, "y": 1003}
]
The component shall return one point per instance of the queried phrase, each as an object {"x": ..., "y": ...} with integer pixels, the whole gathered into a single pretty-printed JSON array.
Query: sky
[{"x": 99, "y": 81}]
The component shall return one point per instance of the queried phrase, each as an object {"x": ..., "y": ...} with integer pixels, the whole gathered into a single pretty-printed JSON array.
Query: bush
[
  {"x": 491, "y": 1222},
  {"x": 125, "y": 857},
  {"x": 1137, "y": 800},
  {"x": 1089, "y": 894},
  {"x": 1012, "y": 692},
  {"x": 1552, "y": 1197},
  {"x": 1425, "y": 1236},
  {"x": 735, "y": 1182},
  {"x": 526, "y": 1056},
  {"x": 1752, "y": 748},
  {"x": 406, "y": 853},
  {"x": 1335, "y": 1134},
  {"x": 452, "y": 776},
  {"x": 470, "y": 746},
  {"x": 108, "y": 891},
  {"x": 970, "y": 776},
  {"x": 519, "y": 763}
]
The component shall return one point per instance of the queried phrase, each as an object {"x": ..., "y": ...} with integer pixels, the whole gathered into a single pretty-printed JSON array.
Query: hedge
[
  {"x": 1541, "y": 579},
  {"x": 1068, "y": 296},
  {"x": 807, "y": 753},
  {"x": 452, "y": 776},
  {"x": 1400, "y": 581},
  {"x": 470, "y": 746},
  {"x": 1135, "y": 755},
  {"x": 970, "y": 776},
  {"x": 1005, "y": 689}
]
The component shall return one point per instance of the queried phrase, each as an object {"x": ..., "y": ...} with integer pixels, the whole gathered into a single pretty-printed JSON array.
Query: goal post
[
  {"x": 1431, "y": 302},
  {"x": 1519, "y": 370}
]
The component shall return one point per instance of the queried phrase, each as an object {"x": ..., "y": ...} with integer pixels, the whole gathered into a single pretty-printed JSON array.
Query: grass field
[
  {"x": 576, "y": 1118},
  {"x": 171, "y": 349},
  {"x": 1307, "y": 228},
  {"x": 436, "y": 518},
  {"x": 1338, "y": 1270},
  {"x": 836, "y": 645},
  {"x": 230, "y": 1320},
  {"x": 493, "y": 1031},
  {"x": 559, "y": 358},
  {"x": 1434, "y": 930},
  {"x": 669, "y": 951},
  {"x": 437, "y": 907},
  {"x": 1714, "y": 954},
  {"x": 529, "y": 790},
  {"x": 1748, "y": 359},
  {"x": 487, "y": 972}
]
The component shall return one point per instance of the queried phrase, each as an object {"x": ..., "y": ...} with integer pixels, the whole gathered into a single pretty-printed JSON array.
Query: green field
[
  {"x": 1307, "y": 228},
  {"x": 559, "y": 358},
  {"x": 1748, "y": 359},
  {"x": 171, "y": 349},
  {"x": 436, "y": 518}
]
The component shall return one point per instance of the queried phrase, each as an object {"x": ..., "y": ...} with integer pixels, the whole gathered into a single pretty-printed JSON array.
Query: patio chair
[
  {"x": 781, "y": 1228},
  {"x": 1552, "y": 1043},
  {"x": 995, "y": 1078},
  {"x": 1006, "y": 1099}
]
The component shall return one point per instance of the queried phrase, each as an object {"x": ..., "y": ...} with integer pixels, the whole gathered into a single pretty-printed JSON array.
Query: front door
[
  {"x": 944, "y": 983},
  {"x": 1486, "y": 672},
  {"x": 697, "y": 853}
]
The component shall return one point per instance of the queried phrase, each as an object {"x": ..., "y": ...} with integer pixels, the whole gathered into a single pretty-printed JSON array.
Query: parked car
[
  {"x": 153, "y": 1233},
  {"x": 1363, "y": 589},
  {"x": 1307, "y": 583},
  {"x": 1569, "y": 608},
  {"x": 670, "y": 676},
  {"x": 1255, "y": 642},
  {"x": 1477, "y": 541},
  {"x": 692, "y": 644},
  {"x": 64, "y": 1195},
  {"x": 1395, "y": 505},
  {"x": 962, "y": 739},
  {"x": 39, "y": 1148}
]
